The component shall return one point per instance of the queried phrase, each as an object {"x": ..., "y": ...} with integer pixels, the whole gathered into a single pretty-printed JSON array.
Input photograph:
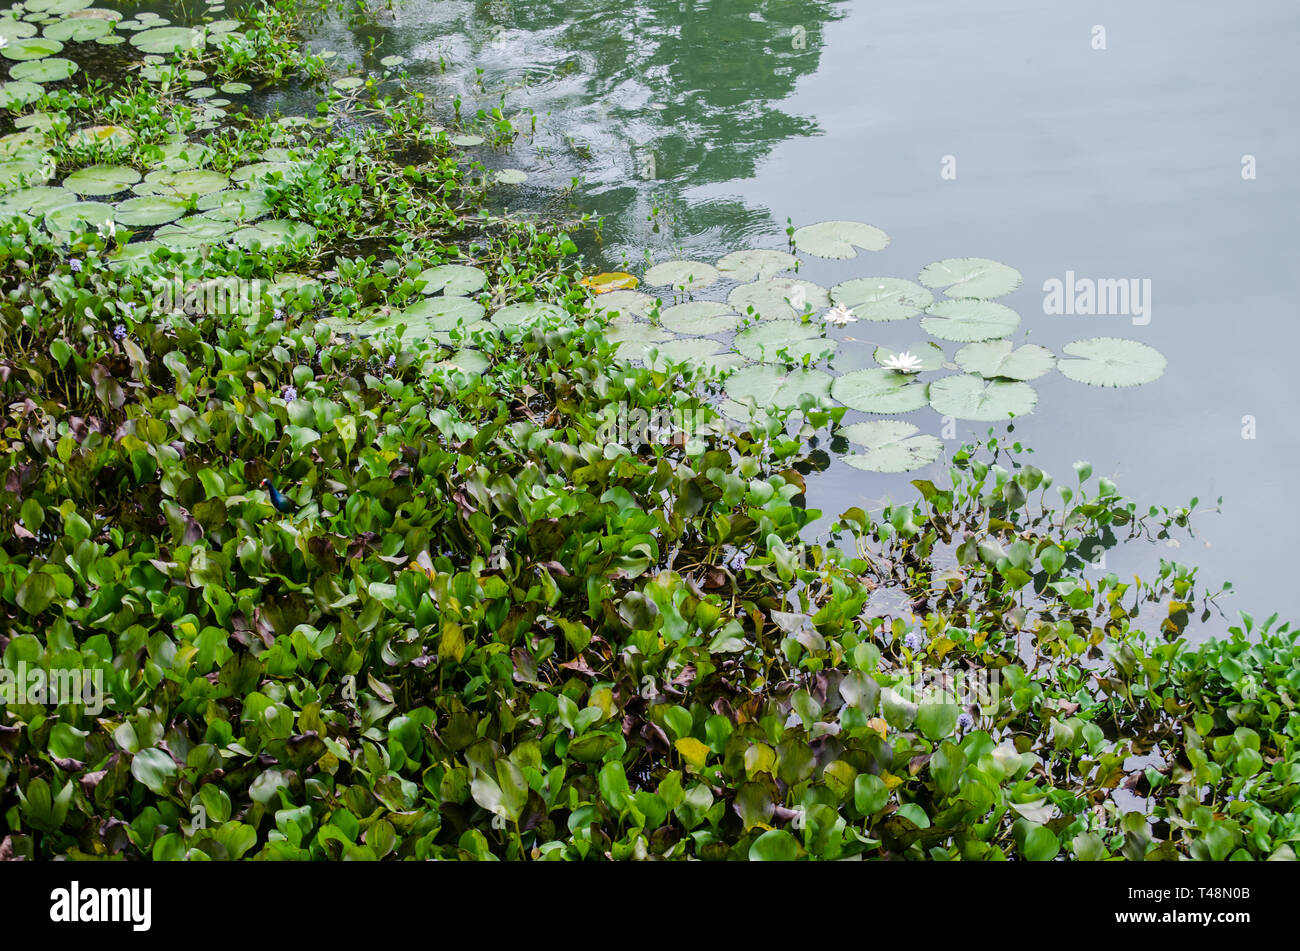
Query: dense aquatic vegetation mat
[{"x": 335, "y": 523}]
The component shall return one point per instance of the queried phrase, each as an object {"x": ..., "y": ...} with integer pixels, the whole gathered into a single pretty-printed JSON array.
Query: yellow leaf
[
  {"x": 453, "y": 641},
  {"x": 891, "y": 781},
  {"x": 610, "y": 281},
  {"x": 693, "y": 751},
  {"x": 880, "y": 726}
]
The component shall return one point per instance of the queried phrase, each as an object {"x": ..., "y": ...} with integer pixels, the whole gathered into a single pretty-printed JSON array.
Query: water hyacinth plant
[{"x": 362, "y": 572}]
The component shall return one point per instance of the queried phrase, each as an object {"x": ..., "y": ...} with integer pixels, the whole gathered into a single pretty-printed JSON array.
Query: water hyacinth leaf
[
  {"x": 148, "y": 211},
  {"x": 31, "y": 47},
  {"x": 625, "y": 302},
  {"x": 969, "y": 397},
  {"x": 779, "y": 298},
  {"x": 688, "y": 274},
  {"x": 970, "y": 277},
  {"x": 882, "y": 298},
  {"x": 454, "y": 280},
  {"x": 838, "y": 239},
  {"x": 929, "y": 353},
  {"x": 780, "y": 340},
  {"x": 526, "y": 312},
  {"x": 1000, "y": 358},
  {"x": 880, "y": 391},
  {"x": 969, "y": 320},
  {"x": 757, "y": 264},
  {"x": 469, "y": 361},
  {"x": 891, "y": 445},
  {"x": 101, "y": 179},
  {"x": 52, "y": 70},
  {"x": 771, "y": 386},
  {"x": 774, "y": 845},
  {"x": 16, "y": 94},
  {"x": 701, "y": 318},
  {"x": 1112, "y": 361}
]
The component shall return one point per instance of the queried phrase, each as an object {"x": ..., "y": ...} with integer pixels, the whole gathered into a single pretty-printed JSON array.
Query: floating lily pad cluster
[{"x": 771, "y": 330}]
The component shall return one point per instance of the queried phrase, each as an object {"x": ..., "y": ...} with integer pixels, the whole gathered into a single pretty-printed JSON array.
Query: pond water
[{"x": 1169, "y": 157}]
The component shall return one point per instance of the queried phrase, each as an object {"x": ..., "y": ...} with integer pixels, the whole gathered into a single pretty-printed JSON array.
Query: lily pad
[
  {"x": 769, "y": 386},
  {"x": 701, "y": 318},
  {"x": 151, "y": 210},
  {"x": 23, "y": 171},
  {"x": 880, "y": 391},
  {"x": 891, "y": 445},
  {"x": 445, "y": 313},
  {"x": 971, "y": 277},
  {"x": 635, "y": 338},
  {"x": 467, "y": 140},
  {"x": 784, "y": 341},
  {"x": 526, "y": 312},
  {"x": 837, "y": 239},
  {"x": 187, "y": 183},
  {"x": 882, "y": 298},
  {"x": 112, "y": 136},
  {"x": 453, "y": 279},
  {"x": 509, "y": 176},
  {"x": 78, "y": 30},
  {"x": 348, "y": 83},
  {"x": 625, "y": 302},
  {"x": 11, "y": 29},
  {"x": 997, "y": 358},
  {"x": 79, "y": 216},
  {"x": 779, "y": 298},
  {"x": 19, "y": 93},
  {"x": 968, "y": 397},
  {"x": 757, "y": 264},
  {"x": 239, "y": 204},
  {"x": 36, "y": 200},
  {"x": 167, "y": 39},
  {"x": 101, "y": 179},
  {"x": 31, "y": 47},
  {"x": 52, "y": 70},
  {"x": 275, "y": 234},
  {"x": 969, "y": 320},
  {"x": 1112, "y": 361},
  {"x": 688, "y": 274}
]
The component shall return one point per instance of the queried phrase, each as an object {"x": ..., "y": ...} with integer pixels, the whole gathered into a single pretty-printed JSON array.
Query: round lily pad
[
  {"x": 11, "y": 29},
  {"x": 696, "y": 352},
  {"x": 51, "y": 70},
  {"x": 467, "y": 140},
  {"x": 891, "y": 445},
  {"x": 968, "y": 397},
  {"x": 453, "y": 279},
  {"x": 78, "y": 30},
  {"x": 755, "y": 265},
  {"x": 968, "y": 320},
  {"x": 1112, "y": 361},
  {"x": 147, "y": 211},
  {"x": 239, "y": 204},
  {"x": 772, "y": 386},
  {"x": 509, "y": 176},
  {"x": 275, "y": 234},
  {"x": 79, "y": 216},
  {"x": 998, "y": 358},
  {"x": 779, "y": 298},
  {"x": 784, "y": 341},
  {"x": 634, "y": 338},
  {"x": 348, "y": 83},
  {"x": 445, "y": 313},
  {"x": 36, "y": 200},
  {"x": 110, "y": 135},
  {"x": 187, "y": 183},
  {"x": 971, "y": 277},
  {"x": 701, "y": 318},
  {"x": 681, "y": 274},
  {"x": 19, "y": 93},
  {"x": 526, "y": 312},
  {"x": 31, "y": 47},
  {"x": 882, "y": 298},
  {"x": 167, "y": 39},
  {"x": 880, "y": 391},
  {"x": 56, "y": 7},
  {"x": 101, "y": 179},
  {"x": 624, "y": 302},
  {"x": 838, "y": 239},
  {"x": 235, "y": 89},
  {"x": 23, "y": 171}
]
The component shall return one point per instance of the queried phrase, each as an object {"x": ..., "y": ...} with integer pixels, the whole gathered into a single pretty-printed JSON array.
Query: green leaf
[
  {"x": 971, "y": 277},
  {"x": 997, "y": 358},
  {"x": 775, "y": 845},
  {"x": 882, "y": 298},
  {"x": 1112, "y": 361},
  {"x": 880, "y": 391},
  {"x": 36, "y": 592},
  {"x": 969, "y": 397},
  {"x": 154, "y": 768},
  {"x": 837, "y": 239},
  {"x": 891, "y": 446},
  {"x": 966, "y": 321}
]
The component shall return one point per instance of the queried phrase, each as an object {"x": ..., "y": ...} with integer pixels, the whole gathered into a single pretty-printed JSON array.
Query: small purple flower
[
  {"x": 279, "y": 314},
  {"x": 965, "y": 721},
  {"x": 290, "y": 394},
  {"x": 392, "y": 362},
  {"x": 913, "y": 641},
  {"x": 119, "y": 332},
  {"x": 75, "y": 264}
]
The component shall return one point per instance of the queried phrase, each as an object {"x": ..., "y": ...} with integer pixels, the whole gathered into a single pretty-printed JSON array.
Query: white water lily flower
[
  {"x": 903, "y": 362},
  {"x": 839, "y": 316},
  {"x": 3, "y": 42}
]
